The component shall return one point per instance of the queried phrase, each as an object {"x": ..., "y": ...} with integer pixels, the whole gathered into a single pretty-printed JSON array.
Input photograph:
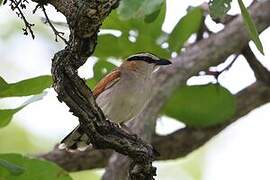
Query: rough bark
[
  {"x": 84, "y": 19},
  {"x": 143, "y": 129}
]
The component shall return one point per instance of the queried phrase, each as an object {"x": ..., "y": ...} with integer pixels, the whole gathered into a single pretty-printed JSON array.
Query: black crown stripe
[{"x": 142, "y": 58}]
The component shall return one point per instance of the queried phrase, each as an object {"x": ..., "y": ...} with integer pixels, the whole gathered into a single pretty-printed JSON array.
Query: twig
[
  {"x": 261, "y": 73},
  {"x": 216, "y": 74},
  {"x": 56, "y": 32},
  {"x": 57, "y": 23},
  {"x": 19, "y": 5}
]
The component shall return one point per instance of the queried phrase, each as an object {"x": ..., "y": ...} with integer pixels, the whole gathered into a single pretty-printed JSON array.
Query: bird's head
[{"x": 145, "y": 62}]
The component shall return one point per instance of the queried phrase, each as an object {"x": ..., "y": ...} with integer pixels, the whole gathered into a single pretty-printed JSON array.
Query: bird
[{"x": 122, "y": 94}]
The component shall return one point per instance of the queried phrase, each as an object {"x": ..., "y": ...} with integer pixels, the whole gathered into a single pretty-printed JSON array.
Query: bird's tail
[{"x": 75, "y": 140}]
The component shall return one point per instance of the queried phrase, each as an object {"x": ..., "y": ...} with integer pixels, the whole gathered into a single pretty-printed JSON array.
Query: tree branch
[
  {"x": 175, "y": 145},
  {"x": 84, "y": 19},
  {"x": 200, "y": 56},
  {"x": 184, "y": 141},
  {"x": 261, "y": 73},
  {"x": 143, "y": 129}
]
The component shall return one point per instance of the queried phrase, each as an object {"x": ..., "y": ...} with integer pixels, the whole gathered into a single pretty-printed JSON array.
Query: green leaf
[
  {"x": 121, "y": 46},
  {"x": 218, "y": 8},
  {"x": 3, "y": 83},
  {"x": 147, "y": 35},
  {"x": 91, "y": 83},
  {"x": 7, "y": 114},
  {"x": 34, "y": 169},
  {"x": 201, "y": 105},
  {"x": 152, "y": 17},
  {"x": 187, "y": 25},
  {"x": 12, "y": 168},
  {"x": 101, "y": 68},
  {"x": 26, "y": 87},
  {"x": 251, "y": 26},
  {"x": 129, "y": 9}
]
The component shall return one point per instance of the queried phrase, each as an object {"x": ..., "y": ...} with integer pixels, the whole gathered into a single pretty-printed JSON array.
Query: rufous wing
[{"x": 108, "y": 81}]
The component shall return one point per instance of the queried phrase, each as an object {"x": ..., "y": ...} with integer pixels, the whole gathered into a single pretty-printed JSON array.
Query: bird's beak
[{"x": 163, "y": 62}]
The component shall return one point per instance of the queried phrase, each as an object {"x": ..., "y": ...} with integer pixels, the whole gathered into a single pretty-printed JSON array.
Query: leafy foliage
[
  {"x": 33, "y": 169},
  {"x": 101, "y": 68},
  {"x": 129, "y": 9},
  {"x": 151, "y": 17},
  {"x": 201, "y": 105},
  {"x": 145, "y": 37},
  {"x": 24, "y": 88},
  {"x": 6, "y": 115},
  {"x": 218, "y": 8},
  {"x": 91, "y": 83},
  {"x": 27, "y": 87},
  {"x": 139, "y": 36},
  {"x": 251, "y": 26},
  {"x": 184, "y": 29}
]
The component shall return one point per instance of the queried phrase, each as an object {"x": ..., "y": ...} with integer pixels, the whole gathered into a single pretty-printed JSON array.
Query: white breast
[{"x": 125, "y": 99}]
